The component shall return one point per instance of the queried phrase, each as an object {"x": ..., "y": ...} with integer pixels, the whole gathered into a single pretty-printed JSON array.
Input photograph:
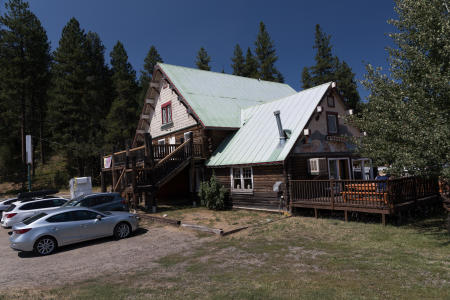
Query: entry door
[{"x": 339, "y": 168}]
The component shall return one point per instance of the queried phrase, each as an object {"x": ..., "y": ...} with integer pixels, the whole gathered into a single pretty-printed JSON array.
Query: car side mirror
[{"x": 99, "y": 217}]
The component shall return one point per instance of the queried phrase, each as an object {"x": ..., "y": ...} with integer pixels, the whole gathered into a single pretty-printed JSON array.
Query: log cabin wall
[{"x": 263, "y": 196}]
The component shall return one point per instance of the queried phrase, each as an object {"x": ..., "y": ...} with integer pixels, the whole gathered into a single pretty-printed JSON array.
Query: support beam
[
  {"x": 102, "y": 174},
  {"x": 113, "y": 170}
]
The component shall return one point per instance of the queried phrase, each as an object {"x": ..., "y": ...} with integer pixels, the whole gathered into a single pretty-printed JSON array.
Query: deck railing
[
  {"x": 380, "y": 194},
  {"x": 159, "y": 152}
]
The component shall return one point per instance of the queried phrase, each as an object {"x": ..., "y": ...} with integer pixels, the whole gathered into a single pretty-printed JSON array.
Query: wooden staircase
[{"x": 143, "y": 170}]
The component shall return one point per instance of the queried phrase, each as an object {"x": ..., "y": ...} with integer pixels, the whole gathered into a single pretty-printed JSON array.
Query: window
[
  {"x": 30, "y": 220},
  {"x": 166, "y": 113},
  {"x": 80, "y": 215},
  {"x": 332, "y": 123},
  {"x": 242, "y": 179},
  {"x": 330, "y": 101},
  {"x": 64, "y": 217}
]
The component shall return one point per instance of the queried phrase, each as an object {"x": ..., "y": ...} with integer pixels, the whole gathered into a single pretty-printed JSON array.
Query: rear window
[
  {"x": 10, "y": 208},
  {"x": 30, "y": 220}
]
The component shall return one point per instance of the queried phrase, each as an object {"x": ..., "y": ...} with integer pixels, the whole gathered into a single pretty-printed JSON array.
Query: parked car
[
  {"x": 46, "y": 231},
  {"x": 5, "y": 203},
  {"x": 100, "y": 201},
  {"x": 18, "y": 211}
]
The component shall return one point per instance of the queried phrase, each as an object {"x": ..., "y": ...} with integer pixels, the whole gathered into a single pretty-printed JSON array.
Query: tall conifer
[
  {"x": 203, "y": 60},
  {"x": 150, "y": 62},
  {"x": 251, "y": 65},
  {"x": 24, "y": 78},
  {"x": 238, "y": 61},
  {"x": 122, "y": 118},
  {"x": 265, "y": 53}
]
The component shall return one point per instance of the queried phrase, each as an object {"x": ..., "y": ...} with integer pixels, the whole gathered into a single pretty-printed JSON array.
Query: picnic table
[{"x": 365, "y": 192}]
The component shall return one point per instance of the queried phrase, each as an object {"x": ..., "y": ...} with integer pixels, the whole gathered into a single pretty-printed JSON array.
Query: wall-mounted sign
[{"x": 335, "y": 138}]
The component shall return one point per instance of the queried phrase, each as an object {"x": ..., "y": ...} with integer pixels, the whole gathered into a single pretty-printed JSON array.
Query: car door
[
  {"x": 92, "y": 227},
  {"x": 63, "y": 227}
]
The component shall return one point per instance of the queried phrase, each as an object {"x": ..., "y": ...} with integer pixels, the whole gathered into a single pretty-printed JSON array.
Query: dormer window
[{"x": 166, "y": 113}]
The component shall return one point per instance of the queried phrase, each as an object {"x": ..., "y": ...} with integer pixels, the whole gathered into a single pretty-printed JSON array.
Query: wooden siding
[
  {"x": 263, "y": 196},
  {"x": 317, "y": 141},
  {"x": 180, "y": 118}
]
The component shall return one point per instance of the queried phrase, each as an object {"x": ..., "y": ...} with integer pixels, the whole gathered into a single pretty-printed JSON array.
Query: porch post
[
  {"x": 113, "y": 171},
  {"x": 192, "y": 170},
  {"x": 102, "y": 174},
  {"x": 287, "y": 177}
]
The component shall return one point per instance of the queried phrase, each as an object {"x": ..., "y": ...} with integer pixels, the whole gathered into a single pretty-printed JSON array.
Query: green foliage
[
  {"x": 79, "y": 95},
  {"x": 265, "y": 53},
  {"x": 150, "y": 62},
  {"x": 407, "y": 116},
  {"x": 238, "y": 61},
  {"x": 203, "y": 60},
  {"x": 24, "y": 79},
  {"x": 251, "y": 65},
  {"x": 122, "y": 118},
  {"x": 329, "y": 68},
  {"x": 212, "y": 194}
]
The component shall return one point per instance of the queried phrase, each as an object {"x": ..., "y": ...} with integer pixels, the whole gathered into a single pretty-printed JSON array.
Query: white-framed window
[
  {"x": 242, "y": 179},
  {"x": 161, "y": 142}
]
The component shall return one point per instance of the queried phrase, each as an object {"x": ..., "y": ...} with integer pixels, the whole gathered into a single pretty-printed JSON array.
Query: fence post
[
  {"x": 127, "y": 158},
  {"x": 133, "y": 180}
]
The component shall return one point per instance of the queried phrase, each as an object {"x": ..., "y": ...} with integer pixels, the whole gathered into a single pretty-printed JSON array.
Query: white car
[
  {"x": 19, "y": 211},
  {"x": 5, "y": 203}
]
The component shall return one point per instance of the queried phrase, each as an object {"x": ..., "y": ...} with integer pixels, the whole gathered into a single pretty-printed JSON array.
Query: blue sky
[{"x": 179, "y": 28}]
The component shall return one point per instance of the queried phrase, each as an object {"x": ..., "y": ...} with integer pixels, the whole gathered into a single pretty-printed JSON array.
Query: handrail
[
  {"x": 137, "y": 148},
  {"x": 172, "y": 153}
]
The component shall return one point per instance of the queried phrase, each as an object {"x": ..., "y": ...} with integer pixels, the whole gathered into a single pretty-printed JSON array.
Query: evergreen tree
[
  {"x": 122, "y": 120},
  {"x": 69, "y": 107},
  {"x": 99, "y": 91},
  {"x": 407, "y": 116},
  {"x": 238, "y": 61},
  {"x": 24, "y": 78},
  {"x": 265, "y": 53},
  {"x": 150, "y": 62},
  {"x": 251, "y": 66},
  {"x": 203, "y": 60},
  {"x": 329, "y": 68}
]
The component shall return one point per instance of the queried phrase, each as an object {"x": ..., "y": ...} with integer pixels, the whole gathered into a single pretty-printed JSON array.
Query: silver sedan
[{"x": 44, "y": 232}]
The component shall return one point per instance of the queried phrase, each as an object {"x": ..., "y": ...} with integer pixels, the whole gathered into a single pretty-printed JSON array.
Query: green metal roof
[
  {"x": 258, "y": 140},
  {"x": 217, "y": 98}
]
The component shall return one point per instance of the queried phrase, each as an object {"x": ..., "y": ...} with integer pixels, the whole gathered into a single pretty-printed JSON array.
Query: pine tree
[
  {"x": 329, "y": 68},
  {"x": 238, "y": 61},
  {"x": 99, "y": 90},
  {"x": 69, "y": 107},
  {"x": 251, "y": 66},
  {"x": 407, "y": 116},
  {"x": 24, "y": 78},
  {"x": 265, "y": 53},
  {"x": 323, "y": 70},
  {"x": 150, "y": 62},
  {"x": 122, "y": 118},
  {"x": 345, "y": 80},
  {"x": 203, "y": 60}
]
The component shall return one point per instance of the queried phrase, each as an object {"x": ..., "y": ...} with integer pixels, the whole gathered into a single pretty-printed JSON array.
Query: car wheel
[
  {"x": 45, "y": 245},
  {"x": 122, "y": 230}
]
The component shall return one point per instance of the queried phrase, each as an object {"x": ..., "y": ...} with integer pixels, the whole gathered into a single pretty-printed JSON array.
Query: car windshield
[
  {"x": 30, "y": 220},
  {"x": 74, "y": 202}
]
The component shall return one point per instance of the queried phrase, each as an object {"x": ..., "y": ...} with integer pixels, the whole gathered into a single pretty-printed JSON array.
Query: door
[
  {"x": 63, "y": 227},
  {"x": 339, "y": 168},
  {"x": 91, "y": 227}
]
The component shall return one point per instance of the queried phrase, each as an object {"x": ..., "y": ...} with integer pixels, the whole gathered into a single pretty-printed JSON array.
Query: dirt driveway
[{"x": 92, "y": 259}]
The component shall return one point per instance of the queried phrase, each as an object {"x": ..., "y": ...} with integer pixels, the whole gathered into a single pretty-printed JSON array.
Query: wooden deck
[{"x": 386, "y": 197}]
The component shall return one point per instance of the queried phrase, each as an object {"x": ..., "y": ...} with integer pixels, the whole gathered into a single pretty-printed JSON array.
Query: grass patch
[{"x": 294, "y": 258}]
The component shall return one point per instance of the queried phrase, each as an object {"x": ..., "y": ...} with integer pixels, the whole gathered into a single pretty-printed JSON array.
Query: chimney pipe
[{"x": 280, "y": 127}]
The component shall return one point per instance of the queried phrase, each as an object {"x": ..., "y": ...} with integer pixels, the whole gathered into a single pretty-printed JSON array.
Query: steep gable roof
[
  {"x": 258, "y": 141},
  {"x": 216, "y": 98}
]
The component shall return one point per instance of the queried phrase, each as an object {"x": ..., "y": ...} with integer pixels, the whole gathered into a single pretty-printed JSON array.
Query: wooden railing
[
  {"x": 159, "y": 152},
  {"x": 382, "y": 194}
]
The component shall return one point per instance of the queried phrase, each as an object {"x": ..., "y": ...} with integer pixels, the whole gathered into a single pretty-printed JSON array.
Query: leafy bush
[{"x": 212, "y": 194}]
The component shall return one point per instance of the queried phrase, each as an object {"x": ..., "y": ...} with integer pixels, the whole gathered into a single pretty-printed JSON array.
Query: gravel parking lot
[{"x": 91, "y": 259}]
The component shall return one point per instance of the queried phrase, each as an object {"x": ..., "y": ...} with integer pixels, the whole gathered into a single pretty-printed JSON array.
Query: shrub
[{"x": 212, "y": 194}]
